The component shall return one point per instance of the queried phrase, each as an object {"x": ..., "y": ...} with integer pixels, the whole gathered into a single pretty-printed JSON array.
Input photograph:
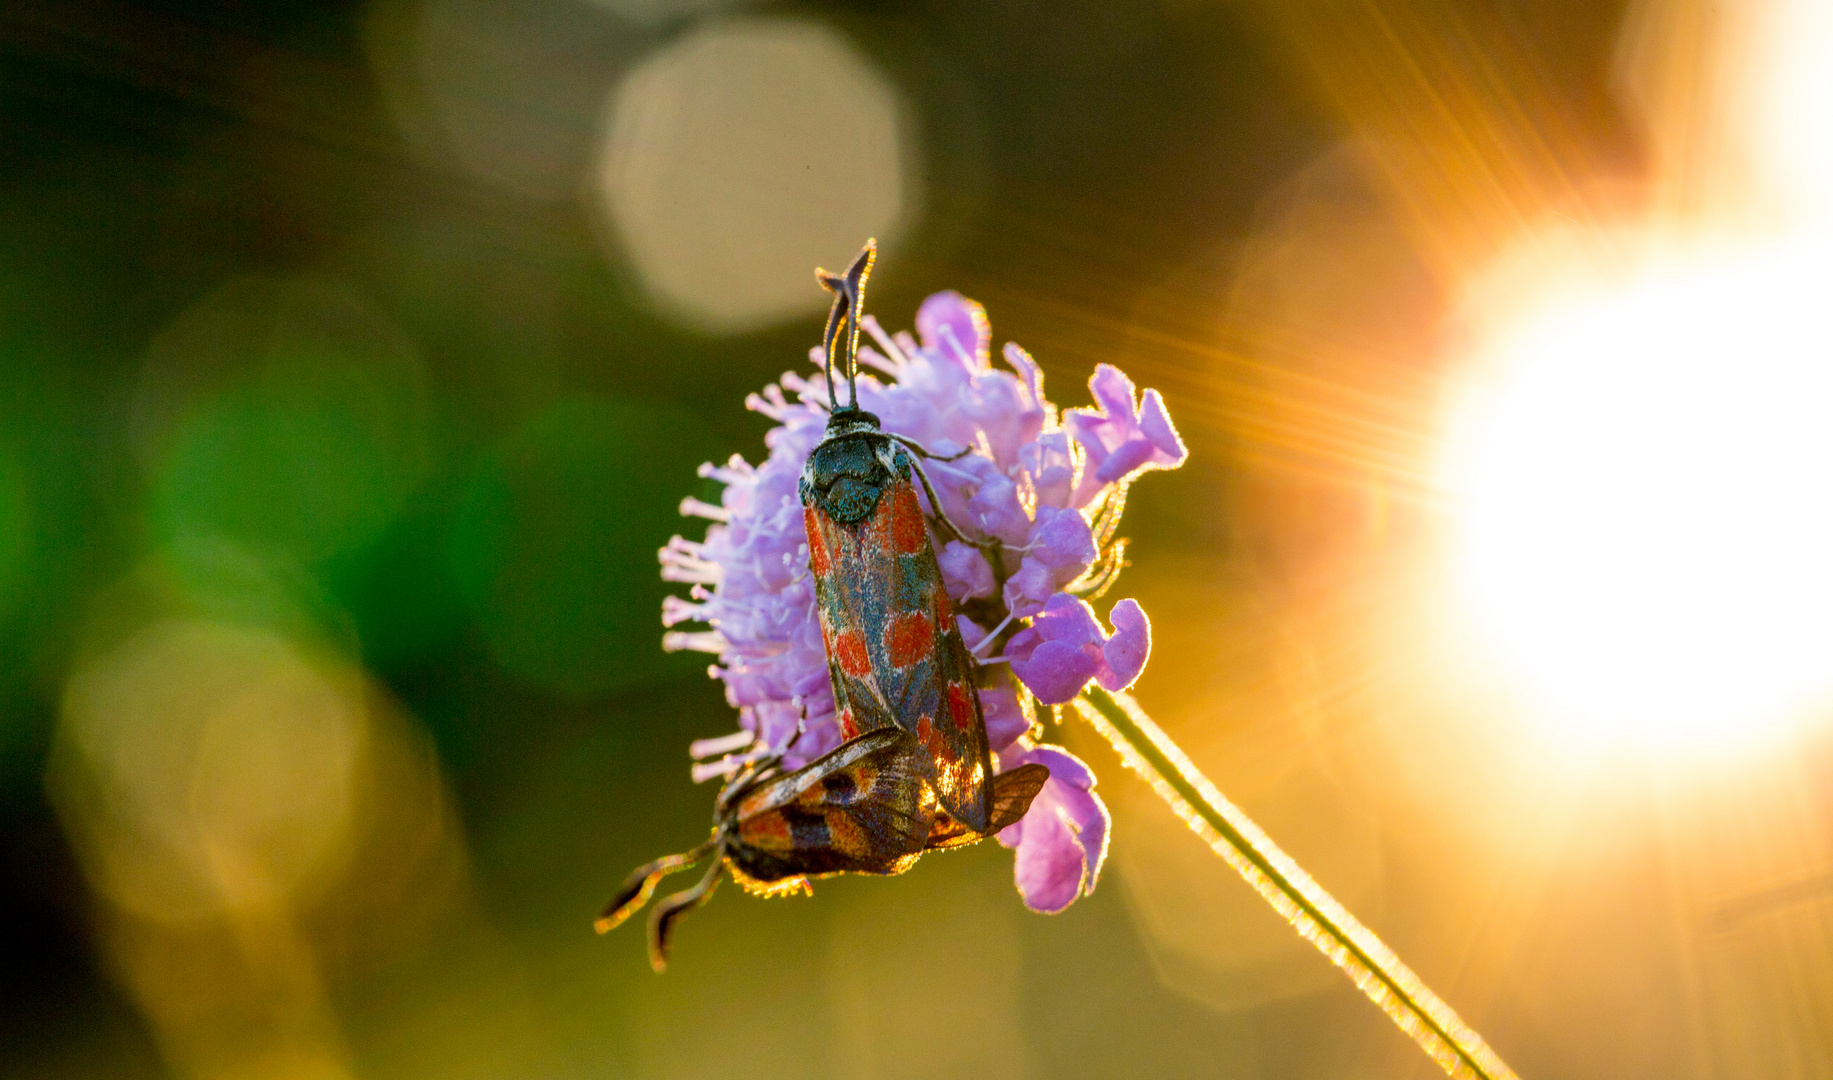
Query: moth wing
[
  {"x": 948, "y": 722},
  {"x": 926, "y": 671},
  {"x": 859, "y": 809},
  {"x": 1012, "y": 795},
  {"x": 895, "y": 654},
  {"x": 843, "y": 567}
]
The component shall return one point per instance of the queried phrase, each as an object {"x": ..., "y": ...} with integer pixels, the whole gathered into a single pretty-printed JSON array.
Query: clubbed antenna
[
  {"x": 843, "y": 318},
  {"x": 641, "y": 884},
  {"x": 662, "y": 919}
]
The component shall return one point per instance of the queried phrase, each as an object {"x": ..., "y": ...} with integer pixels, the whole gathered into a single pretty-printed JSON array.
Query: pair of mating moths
[{"x": 913, "y": 772}]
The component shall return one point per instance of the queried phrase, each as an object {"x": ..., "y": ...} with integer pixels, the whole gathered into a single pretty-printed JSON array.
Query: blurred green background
[{"x": 354, "y": 358}]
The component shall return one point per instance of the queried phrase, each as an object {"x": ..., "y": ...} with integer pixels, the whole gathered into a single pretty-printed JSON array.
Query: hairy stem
[{"x": 1314, "y": 913}]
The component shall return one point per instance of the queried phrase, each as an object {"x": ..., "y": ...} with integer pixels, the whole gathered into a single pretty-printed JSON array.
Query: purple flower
[
  {"x": 1064, "y": 648},
  {"x": 1062, "y": 841},
  {"x": 1024, "y": 499},
  {"x": 1120, "y": 439}
]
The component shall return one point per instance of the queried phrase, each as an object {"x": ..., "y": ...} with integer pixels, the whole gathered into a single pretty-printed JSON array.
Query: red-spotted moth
[{"x": 913, "y": 772}]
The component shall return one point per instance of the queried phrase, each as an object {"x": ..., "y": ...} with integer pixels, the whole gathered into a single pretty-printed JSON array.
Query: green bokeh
[
  {"x": 303, "y": 478},
  {"x": 554, "y": 543},
  {"x": 15, "y": 526},
  {"x": 286, "y": 416}
]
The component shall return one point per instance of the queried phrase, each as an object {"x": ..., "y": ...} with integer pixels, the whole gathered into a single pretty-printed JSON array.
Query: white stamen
[
  {"x": 982, "y": 643},
  {"x": 707, "y": 641},
  {"x": 898, "y": 355},
  {"x": 692, "y": 507},
  {"x": 810, "y": 392},
  {"x": 676, "y": 610},
  {"x": 700, "y": 749},
  {"x": 735, "y": 470},
  {"x": 727, "y": 765},
  {"x": 967, "y": 357},
  {"x": 723, "y": 769},
  {"x": 758, "y": 405},
  {"x": 681, "y": 562},
  {"x": 871, "y": 358}
]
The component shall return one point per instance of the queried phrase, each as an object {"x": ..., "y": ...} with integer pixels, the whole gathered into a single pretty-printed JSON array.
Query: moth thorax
[
  {"x": 851, "y": 500},
  {"x": 845, "y": 476}
]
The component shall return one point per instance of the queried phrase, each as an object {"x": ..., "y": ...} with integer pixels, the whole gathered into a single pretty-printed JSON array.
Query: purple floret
[{"x": 1064, "y": 648}]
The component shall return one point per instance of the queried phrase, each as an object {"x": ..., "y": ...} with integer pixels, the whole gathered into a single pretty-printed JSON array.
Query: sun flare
[{"x": 1644, "y": 483}]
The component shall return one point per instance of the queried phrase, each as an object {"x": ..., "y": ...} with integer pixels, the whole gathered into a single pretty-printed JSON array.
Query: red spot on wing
[
  {"x": 933, "y": 742},
  {"x": 910, "y": 639},
  {"x": 848, "y": 726},
  {"x": 960, "y": 706},
  {"x": 907, "y": 533},
  {"x": 850, "y": 650},
  {"x": 770, "y": 830},
  {"x": 945, "y": 611},
  {"x": 818, "y": 560}
]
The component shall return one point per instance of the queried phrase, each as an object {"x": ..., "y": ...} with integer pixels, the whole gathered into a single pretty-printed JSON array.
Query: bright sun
[{"x": 1645, "y": 489}]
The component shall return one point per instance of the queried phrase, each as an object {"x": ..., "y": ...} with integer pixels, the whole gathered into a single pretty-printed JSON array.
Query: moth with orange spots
[
  {"x": 913, "y": 772},
  {"x": 895, "y": 655},
  {"x": 863, "y": 808}
]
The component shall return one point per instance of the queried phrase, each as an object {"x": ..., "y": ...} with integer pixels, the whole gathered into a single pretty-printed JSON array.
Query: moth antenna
[
  {"x": 843, "y": 320},
  {"x": 835, "y": 284},
  {"x": 856, "y": 277},
  {"x": 641, "y": 884},
  {"x": 662, "y": 919}
]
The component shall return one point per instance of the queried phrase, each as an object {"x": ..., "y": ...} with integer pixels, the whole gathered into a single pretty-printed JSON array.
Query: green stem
[{"x": 1316, "y": 915}]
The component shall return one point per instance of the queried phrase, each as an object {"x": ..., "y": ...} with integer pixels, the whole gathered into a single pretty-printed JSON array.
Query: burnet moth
[{"x": 913, "y": 772}]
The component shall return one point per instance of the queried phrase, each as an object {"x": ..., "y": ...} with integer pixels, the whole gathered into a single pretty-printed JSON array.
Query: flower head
[{"x": 1036, "y": 501}]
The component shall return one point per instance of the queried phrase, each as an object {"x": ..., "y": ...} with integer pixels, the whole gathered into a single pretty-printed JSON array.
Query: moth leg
[
  {"x": 662, "y": 919},
  {"x": 941, "y": 516},
  {"x": 922, "y": 451},
  {"x": 641, "y": 884}
]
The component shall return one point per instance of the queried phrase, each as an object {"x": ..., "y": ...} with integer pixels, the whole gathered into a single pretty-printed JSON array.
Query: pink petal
[
  {"x": 1155, "y": 423},
  {"x": 1028, "y": 370},
  {"x": 949, "y": 315},
  {"x": 1051, "y": 864},
  {"x": 1111, "y": 387},
  {"x": 1027, "y": 590},
  {"x": 1127, "y": 650},
  {"x": 1005, "y": 721},
  {"x": 1055, "y": 672},
  {"x": 1068, "y": 619},
  {"x": 1065, "y": 768},
  {"x": 965, "y": 571},
  {"x": 1129, "y": 456},
  {"x": 1090, "y": 817},
  {"x": 1061, "y": 539}
]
